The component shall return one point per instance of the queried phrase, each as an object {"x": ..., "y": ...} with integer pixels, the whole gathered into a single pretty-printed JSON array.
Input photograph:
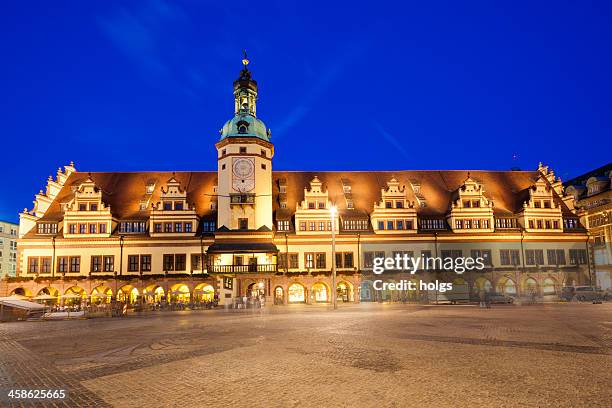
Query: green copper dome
[{"x": 245, "y": 125}]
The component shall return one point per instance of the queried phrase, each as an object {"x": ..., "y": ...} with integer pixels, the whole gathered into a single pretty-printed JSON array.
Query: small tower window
[
  {"x": 243, "y": 127},
  {"x": 242, "y": 150}
]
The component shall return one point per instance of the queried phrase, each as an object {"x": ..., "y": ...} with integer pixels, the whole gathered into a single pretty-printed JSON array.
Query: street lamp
[{"x": 333, "y": 211}]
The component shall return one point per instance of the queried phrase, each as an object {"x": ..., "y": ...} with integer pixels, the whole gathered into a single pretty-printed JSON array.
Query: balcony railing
[{"x": 242, "y": 268}]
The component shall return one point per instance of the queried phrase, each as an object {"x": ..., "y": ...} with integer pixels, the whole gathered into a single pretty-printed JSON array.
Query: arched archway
[
  {"x": 344, "y": 291},
  {"x": 279, "y": 295},
  {"x": 48, "y": 291},
  {"x": 21, "y": 291},
  {"x": 101, "y": 294},
  {"x": 482, "y": 283},
  {"x": 506, "y": 286},
  {"x": 531, "y": 286},
  {"x": 549, "y": 286},
  {"x": 180, "y": 293},
  {"x": 256, "y": 289},
  {"x": 153, "y": 294},
  {"x": 204, "y": 292},
  {"x": 74, "y": 295},
  {"x": 319, "y": 293},
  {"x": 127, "y": 294},
  {"x": 366, "y": 293},
  {"x": 296, "y": 293}
]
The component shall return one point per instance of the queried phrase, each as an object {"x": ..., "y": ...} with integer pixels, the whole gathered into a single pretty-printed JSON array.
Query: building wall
[
  {"x": 358, "y": 245},
  {"x": 8, "y": 248}
]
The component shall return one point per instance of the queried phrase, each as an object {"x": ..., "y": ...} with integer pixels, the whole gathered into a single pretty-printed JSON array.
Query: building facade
[
  {"x": 592, "y": 194},
  {"x": 8, "y": 248},
  {"x": 246, "y": 230}
]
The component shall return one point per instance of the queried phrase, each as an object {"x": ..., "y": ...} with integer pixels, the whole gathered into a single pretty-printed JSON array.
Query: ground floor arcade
[{"x": 288, "y": 288}]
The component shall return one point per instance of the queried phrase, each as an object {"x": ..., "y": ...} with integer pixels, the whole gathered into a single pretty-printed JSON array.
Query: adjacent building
[
  {"x": 592, "y": 194},
  {"x": 247, "y": 230},
  {"x": 8, "y": 248}
]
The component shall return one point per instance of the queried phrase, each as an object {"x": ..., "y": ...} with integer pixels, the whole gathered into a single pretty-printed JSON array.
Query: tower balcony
[{"x": 233, "y": 269}]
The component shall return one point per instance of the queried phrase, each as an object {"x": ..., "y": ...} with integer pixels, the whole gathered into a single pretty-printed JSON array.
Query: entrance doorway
[
  {"x": 256, "y": 290},
  {"x": 279, "y": 296}
]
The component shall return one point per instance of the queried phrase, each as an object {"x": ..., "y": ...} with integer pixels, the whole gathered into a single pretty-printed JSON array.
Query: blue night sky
[{"x": 141, "y": 85}]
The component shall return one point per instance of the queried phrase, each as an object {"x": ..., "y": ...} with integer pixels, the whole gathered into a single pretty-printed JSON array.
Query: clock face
[
  {"x": 243, "y": 174},
  {"x": 243, "y": 168}
]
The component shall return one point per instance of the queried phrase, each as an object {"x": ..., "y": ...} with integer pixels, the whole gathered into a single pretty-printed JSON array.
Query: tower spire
[{"x": 245, "y": 90}]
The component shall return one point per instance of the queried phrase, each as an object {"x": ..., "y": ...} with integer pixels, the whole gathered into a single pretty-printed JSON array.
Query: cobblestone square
[{"x": 358, "y": 356}]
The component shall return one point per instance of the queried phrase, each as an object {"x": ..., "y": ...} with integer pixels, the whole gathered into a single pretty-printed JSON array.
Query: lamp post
[{"x": 333, "y": 211}]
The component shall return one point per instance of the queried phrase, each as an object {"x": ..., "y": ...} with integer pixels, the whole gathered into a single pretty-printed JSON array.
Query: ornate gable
[
  {"x": 541, "y": 211},
  {"x": 394, "y": 213},
  {"x": 471, "y": 211},
  {"x": 173, "y": 215},
  {"x": 313, "y": 214}
]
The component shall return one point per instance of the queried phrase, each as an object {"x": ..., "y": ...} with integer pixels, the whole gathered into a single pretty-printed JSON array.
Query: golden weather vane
[{"x": 245, "y": 60}]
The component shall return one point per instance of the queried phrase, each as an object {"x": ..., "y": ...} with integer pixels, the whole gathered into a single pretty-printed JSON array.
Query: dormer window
[
  {"x": 243, "y": 127},
  {"x": 388, "y": 204},
  {"x": 399, "y": 204},
  {"x": 546, "y": 204},
  {"x": 167, "y": 205},
  {"x": 93, "y": 207},
  {"x": 178, "y": 205},
  {"x": 321, "y": 205},
  {"x": 82, "y": 207}
]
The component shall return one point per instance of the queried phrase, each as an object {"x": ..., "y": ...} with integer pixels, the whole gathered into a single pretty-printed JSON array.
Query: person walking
[{"x": 481, "y": 296}]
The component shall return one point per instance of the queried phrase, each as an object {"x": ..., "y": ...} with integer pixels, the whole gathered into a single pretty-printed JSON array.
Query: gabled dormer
[
  {"x": 394, "y": 213},
  {"x": 471, "y": 210},
  {"x": 313, "y": 213},
  {"x": 28, "y": 218},
  {"x": 541, "y": 211},
  {"x": 86, "y": 214},
  {"x": 173, "y": 215}
]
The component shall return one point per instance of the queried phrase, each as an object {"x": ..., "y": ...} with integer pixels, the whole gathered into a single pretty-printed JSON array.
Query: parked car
[
  {"x": 500, "y": 298},
  {"x": 587, "y": 293}
]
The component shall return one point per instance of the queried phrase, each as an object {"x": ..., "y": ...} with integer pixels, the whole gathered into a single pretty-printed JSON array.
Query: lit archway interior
[
  {"x": 482, "y": 283},
  {"x": 74, "y": 294},
  {"x": 297, "y": 294},
  {"x": 101, "y": 294},
  {"x": 128, "y": 294},
  {"x": 180, "y": 293},
  {"x": 319, "y": 292},
  {"x": 506, "y": 286},
  {"x": 549, "y": 286},
  {"x": 343, "y": 291},
  {"x": 204, "y": 293}
]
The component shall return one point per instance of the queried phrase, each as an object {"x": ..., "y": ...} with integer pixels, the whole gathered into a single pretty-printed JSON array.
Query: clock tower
[{"x": 244, "y": 157}]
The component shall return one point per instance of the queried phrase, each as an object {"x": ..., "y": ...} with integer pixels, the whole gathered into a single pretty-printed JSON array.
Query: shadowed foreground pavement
[{"x": 361, "y": 355}]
